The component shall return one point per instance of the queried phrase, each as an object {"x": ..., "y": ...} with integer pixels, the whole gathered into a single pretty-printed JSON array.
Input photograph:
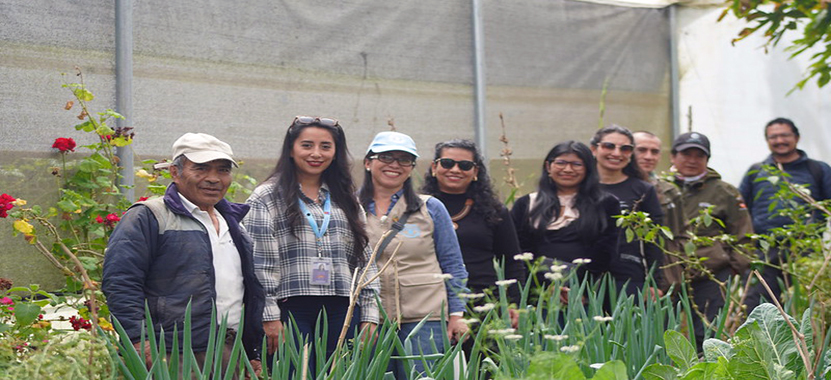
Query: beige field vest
[{"x": 410, "y": 287}]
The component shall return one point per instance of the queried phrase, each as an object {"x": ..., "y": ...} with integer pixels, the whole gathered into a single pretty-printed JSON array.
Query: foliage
[
  {"x": 65, "y": 357},
  {"x": 766, "y": 346},
  {"x": 775, "y": 18}
]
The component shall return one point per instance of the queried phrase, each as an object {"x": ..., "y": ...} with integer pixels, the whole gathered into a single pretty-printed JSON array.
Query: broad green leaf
[
  {"x": 666, "y": 231},
  {"x": 549, "y": 365},
  {"x": 67, "y": 205},
  {"x": 104, "y": 130},
  {"x": 707, "y": 219},
  {"x": 86, "y": 126},
  {"x": 689, "y": 247},
  {"x": 807, "y": 329},
  {"x": 88, "y": 166},
  {"x": 629, "y": 235},
  {"x": 680, "y": 350},
  {"x": 707, "y": 371},
  {"x": 714, "y": 348},
  {"x": 660, "y": 372},
  {"x": 89, "y": 263},
  {"x": 83, "y": 94},
  {"x": 26, "y": 313},
  {"x": 110, "y": 113},
  {"x": 613, "y": 370},
  {"x": 121, "y": 141},
  {"x": 762, "y": 341}
]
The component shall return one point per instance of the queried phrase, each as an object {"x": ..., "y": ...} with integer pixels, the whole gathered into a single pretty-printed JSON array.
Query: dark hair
[
  {"x": 631, "y": 169},
  {"x": 546, "y": 207},
  {"x": 367, "y": 191},
  {"x": 481, "y": 191},
  {"x": 782, "y": 120},
  {"x": 338, "y": 178}
]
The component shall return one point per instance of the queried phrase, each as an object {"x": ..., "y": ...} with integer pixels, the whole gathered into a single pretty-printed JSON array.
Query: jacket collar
[
  {"x": 802, "y": 158},
  {"x": 227, "y": 209}
]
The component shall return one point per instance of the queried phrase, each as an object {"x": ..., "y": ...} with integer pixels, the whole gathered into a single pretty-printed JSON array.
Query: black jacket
[{"x": 169, "y": 264}]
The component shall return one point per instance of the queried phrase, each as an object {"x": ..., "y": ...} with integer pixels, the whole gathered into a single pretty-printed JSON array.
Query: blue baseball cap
[{"x": 390, "y": 141}]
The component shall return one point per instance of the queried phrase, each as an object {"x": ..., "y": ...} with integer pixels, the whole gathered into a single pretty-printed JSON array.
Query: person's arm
[
  {"x": 126, "y": 265},
  {"x": 266, "y": 253},
  {"x": 746, "y": 188},
  {"x": 369, "y": 307},
  {"x": 506, "y": 246},
  {"x": 654, "y": 255},
  {"x": 607, "y": 244},
  {"x": 448, "y": 253},
  {"x": 826, "y": 181},
  {"x": 519, "y": 217}
]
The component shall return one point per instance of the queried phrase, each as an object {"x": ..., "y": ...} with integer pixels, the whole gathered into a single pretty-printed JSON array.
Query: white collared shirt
[{"x": 229, "y": 284}]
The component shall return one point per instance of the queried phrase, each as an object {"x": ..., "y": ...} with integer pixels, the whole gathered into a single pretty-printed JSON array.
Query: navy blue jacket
[
  {"x": 758, "y": 195},
  {"x": 171, "y": 265}
]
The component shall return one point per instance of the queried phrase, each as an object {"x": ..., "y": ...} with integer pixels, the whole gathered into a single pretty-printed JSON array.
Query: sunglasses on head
[
  {"x": 449, "y": 163},
  {"x": 306, "y": 120},
  {"x": 388, "y": 159},
  {"x": 625, "y": 148}
]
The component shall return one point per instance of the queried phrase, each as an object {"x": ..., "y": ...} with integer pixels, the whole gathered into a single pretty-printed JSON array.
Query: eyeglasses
[
  {"x": 575, "y": 165},
  {"x": 388, "y": 159},
  {"x": 306, "y": 120},
  {"x": 624, "y": 148},
  {"x": 780, "y": 136},
  {"x": 449, "y": 163}
]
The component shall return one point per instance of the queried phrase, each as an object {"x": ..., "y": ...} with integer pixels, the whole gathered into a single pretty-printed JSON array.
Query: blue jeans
[{"x": 422, "y": 341}]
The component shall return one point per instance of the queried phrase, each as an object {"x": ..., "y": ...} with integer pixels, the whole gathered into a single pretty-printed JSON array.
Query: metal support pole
[
  {"x": 124, "y": 89},
  {"x": 673, "y": 71},
  {"x": 479, "y": 79}
]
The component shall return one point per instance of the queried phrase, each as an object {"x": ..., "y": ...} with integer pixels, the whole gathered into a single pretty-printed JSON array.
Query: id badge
[{"x": 321, "y": 271}]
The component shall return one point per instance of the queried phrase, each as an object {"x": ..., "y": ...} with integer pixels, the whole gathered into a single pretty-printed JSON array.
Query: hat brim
[
  {"x": 393, "y": 148},
  {"x": 203, "y": 157},
  {"x": 682, "y": 147}
]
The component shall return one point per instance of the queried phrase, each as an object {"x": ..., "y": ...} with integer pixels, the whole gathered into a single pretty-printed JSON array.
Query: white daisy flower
[
  {"x": 506, "y": 282},
  {"x": 557, "y": 338},
  {"x": 484, "y": 308},
  {"x": 472, "y": 296},
  {"x": 581, "y": 261},
  {"x": 513, "y": 337},
  {"x": 553, "y": 276},
  {"x": 570, "y": 349},
  {"x": 527, "y": 256},
  {"x": 600, "y": 318}
]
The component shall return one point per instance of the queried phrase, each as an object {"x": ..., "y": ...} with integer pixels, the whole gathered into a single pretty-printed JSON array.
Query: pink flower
[
  {"x": 99, "y": 219},
  {"x": 6, "y": 301},
  {"x": 64, "y": 144}
]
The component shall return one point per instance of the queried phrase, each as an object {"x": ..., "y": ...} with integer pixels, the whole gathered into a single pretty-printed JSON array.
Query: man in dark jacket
[
  {"x": 702, "y": 188},
  {"x": 187, "y": 247},
  {"x": 782, "y": 136}
]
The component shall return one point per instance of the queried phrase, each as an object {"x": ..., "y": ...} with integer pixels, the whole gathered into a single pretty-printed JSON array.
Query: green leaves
[
  {"x": 680, "y": 350},
  {"x": 26, "y": 313}
]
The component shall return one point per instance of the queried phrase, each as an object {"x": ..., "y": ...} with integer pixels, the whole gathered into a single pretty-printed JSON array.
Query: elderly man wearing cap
[
  {"x": 187, "y": 248},
  {"x": 703, "y": 188}
]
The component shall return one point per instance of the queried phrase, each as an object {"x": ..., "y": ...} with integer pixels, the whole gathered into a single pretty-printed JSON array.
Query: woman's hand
[
  {"x": 368, "y": 328},
  {"x": 456, "y": 329},
  {"x": 273, "y": 333}
]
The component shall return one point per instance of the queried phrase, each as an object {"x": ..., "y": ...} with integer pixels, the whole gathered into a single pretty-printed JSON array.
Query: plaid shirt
[{"x": 283, "y": 262}]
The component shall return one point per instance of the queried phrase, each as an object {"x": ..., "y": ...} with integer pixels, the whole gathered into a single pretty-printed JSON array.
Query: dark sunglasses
[
  {"x": 449, "y": 163},
  {"x": 561, "y": 164},
  {"x": 306, "y": 120},
  {"x": 625, "y": 148},
  {"x": 388, "y": 159}
]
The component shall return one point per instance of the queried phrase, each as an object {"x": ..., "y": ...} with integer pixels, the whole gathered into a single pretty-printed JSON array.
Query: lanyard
[{"x": 319, "y": 231}]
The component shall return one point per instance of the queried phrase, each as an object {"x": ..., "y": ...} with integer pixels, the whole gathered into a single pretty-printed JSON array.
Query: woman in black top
[
  {"x": 459, "y": 178},
  {"x": 569, "y": 217},
  {"x": 621, "y": 176}
]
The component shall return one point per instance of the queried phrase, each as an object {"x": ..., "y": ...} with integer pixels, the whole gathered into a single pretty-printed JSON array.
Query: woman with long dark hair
[
  {"x": 569, "y": 217},
  {"x": 427, "y": 270},
  {"x": 621, "y": 176},
  {"x": 309, "y": 234},
  {"x": 459, "y": 178}
]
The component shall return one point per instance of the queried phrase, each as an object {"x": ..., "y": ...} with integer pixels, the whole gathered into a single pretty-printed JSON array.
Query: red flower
[
  {"x": 64, "y": 144},
  {"x": 80, "y": 323},
  {"x": 5, "y": 204},
  {"x": 142, "y": 199},
  {"x": 110, "y": 221}
]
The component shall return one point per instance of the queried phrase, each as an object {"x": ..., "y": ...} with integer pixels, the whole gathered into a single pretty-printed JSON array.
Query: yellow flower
[
  {"x": 19, "y": 202},
  {"x": 144, "y": 174},
  {"x": 106, "y": 325},
  {"x": 23, "y": 226}
]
